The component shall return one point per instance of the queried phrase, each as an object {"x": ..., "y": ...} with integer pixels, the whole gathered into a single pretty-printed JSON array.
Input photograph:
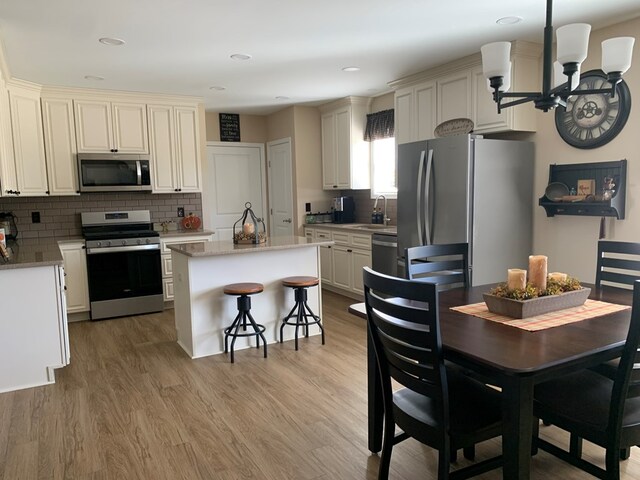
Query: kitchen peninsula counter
[
  {"x": 201, "y": 271},
  {"x": 27, "y": 254}
]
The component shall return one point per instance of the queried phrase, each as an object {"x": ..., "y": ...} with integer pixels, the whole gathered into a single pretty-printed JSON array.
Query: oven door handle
[{"x": 132, "y": 248}]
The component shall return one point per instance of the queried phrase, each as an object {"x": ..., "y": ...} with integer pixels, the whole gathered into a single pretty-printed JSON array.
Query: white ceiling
[{"x": 298, "y": 47}]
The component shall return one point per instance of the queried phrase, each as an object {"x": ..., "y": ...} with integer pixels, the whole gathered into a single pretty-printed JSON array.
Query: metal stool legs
[
  {"x": 244, "y": 307},
  {"x": 299, "y": 316}
]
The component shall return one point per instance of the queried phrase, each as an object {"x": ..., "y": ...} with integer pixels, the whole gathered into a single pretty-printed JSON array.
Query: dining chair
[
  {"x": 441, "y": 408},
  {"x": 446, "y": 265},
  {"x": 618, "y": 263},
  {"x": 594, "y": 407}
]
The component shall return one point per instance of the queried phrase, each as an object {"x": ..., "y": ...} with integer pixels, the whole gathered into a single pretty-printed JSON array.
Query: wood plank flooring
[{"x": 132, "y": 405}]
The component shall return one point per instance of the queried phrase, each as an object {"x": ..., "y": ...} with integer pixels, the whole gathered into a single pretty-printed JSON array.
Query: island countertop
[
  {"x": 227, "y": 247},
  {"x": 25, "y": 254}
]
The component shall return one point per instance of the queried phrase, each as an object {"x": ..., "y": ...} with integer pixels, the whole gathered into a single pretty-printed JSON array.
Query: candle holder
[{"x": 251, "y": 229}]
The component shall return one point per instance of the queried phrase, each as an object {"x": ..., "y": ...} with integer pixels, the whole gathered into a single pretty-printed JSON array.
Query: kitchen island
[{"x": 201, "y": 270}]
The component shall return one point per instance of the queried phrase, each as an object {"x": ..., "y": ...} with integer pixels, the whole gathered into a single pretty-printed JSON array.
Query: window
[{"x": 380, "y": 132}]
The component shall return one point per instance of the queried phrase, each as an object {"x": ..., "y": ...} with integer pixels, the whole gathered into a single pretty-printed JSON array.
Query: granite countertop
[
  {"x": 357, "y": 227},
  {"x": 185, "y": 233},
  {"x": 23, "y": 254},
  {"x": 227, "y": 247}
]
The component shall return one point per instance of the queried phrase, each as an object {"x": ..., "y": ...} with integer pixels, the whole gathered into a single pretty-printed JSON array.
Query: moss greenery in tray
[{"x": 554, "y": 287}]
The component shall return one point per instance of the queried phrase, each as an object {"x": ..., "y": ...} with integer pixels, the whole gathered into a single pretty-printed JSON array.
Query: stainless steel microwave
[{"x": 114, "y": 172}]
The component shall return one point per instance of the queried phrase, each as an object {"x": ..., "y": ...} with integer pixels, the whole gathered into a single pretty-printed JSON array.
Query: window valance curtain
[{"x": 379, "y": 125}]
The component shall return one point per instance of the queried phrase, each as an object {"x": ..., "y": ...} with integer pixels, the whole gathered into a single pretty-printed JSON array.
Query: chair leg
[
  {"x": 612, "y": 464},
  {"x": 535, "y": 433},
  {"x": 575, "y": 445},
  {"x": 258, "y": 334},
  {"x": 443, "y": 463},
  {"x": 387, "y": 446},
  {"x": 469, "y": 452},
  {"x": 625, "y": 453},
  {"x": 453, "y": 458}
]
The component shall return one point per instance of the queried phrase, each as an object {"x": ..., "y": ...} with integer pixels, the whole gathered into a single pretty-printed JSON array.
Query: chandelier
[{"x": 572, "y": 46}]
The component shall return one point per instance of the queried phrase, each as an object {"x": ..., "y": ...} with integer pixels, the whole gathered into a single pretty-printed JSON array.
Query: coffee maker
[
  {"x": 8, "y": 222},
  {"x": 344, "y": 210}
]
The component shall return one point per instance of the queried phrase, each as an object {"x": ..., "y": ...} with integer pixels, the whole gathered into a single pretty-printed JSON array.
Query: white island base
[{"x": 203, "y": 311}]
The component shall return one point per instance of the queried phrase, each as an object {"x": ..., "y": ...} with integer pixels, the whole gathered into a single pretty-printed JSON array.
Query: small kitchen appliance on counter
[
  {"x": 344, "y": 210},
  {"x": 123, "y": 263}
]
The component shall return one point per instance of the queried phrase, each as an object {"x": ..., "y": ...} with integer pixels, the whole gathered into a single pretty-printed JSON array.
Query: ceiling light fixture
[
  {"x": 114, "y": 42},
  {"x": 93, "y": 77},
  {"x": 241, "y": 56},
  {"x": 512, "y": 20},
  {"x": 217, "y": 87},
  {"x": 350, "y": 69},
  {"x": 282, "y": 97},
  {"x": 573, "y": 43}
]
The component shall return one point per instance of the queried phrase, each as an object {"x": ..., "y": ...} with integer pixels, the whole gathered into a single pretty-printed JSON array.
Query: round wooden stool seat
[
  {"x": 243, "y": 288},
  {"x": 300, "y": 282}
]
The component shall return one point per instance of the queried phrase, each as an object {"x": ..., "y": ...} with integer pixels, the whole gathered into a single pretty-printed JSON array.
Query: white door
[
  {"x": 235, "y": 176},
  {"x": 280, "y": 187}
]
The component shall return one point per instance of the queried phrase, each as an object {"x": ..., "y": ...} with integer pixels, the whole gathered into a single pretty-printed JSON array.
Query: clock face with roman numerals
[{"x": 590, "y": 121}]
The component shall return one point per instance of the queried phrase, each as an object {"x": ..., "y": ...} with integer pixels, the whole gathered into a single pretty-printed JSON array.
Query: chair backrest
[
  {"x": 618, "y": 262},
  {"x": 402, "y": 318},
  {"x": 446, "y": 264},
  {"x": 627, "y": 381}
]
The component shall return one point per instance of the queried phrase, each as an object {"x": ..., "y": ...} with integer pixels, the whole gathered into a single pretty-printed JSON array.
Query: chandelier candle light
[{"x": 572, "y": 46}]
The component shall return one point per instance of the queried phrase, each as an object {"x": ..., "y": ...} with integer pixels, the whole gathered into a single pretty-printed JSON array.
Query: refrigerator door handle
[
  {"x": 419, "y": 200},
  {"x": 428, "y": 207}
]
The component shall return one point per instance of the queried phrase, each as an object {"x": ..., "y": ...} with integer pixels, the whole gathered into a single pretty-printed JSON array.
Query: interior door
[
  {"x": 280, "y": 187},
  {"x": 235, "y": 176}
]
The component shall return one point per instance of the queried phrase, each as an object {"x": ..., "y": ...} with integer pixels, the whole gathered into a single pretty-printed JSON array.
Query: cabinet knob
[{"x": 335, "y": 186}]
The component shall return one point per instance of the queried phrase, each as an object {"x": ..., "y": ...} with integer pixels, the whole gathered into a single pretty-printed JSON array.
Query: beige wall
[
  {"x": 383, "y": 102},
  {"x": 571, "y": 242},
  {"x": 253, "y": 128}
]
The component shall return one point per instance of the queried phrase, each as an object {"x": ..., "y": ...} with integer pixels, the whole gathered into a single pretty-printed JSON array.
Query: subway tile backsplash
[
  {"x": 60, "y": 216},
  {"x": 364, "y": 206}
]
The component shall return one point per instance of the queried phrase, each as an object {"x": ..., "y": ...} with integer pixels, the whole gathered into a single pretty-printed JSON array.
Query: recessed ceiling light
[
  {"x": 114, "y": 42},
  {"x": 240, "y": 56},
  {"x": 217, "y": 87},
  {"x": 282, "y": 97},
  {"x": 350, "y": 69},
  {"x": 509, "y": 20},
  {"x": 93, "y": 77}
]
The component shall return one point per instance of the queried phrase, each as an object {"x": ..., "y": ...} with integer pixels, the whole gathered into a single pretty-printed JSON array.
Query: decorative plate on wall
[{"x": 590, "y": 121}]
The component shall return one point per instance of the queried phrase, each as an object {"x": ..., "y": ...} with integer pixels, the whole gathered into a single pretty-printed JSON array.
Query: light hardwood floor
[{"x": 132, "y": 405}]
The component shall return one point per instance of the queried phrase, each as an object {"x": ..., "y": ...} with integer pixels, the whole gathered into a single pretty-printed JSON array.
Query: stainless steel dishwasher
[{"x": 384, "y": 253}]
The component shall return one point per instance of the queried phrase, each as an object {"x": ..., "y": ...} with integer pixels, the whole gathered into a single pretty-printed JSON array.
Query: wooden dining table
[{"x": 513, "y": 359}]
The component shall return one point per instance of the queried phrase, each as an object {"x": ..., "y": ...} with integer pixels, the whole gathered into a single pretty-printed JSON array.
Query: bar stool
[
  {"x": 301, "y": 312},
  {"x": 243, "y": 290}
]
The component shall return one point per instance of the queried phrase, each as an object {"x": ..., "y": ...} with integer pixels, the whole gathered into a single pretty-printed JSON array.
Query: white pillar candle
[
  {"x": 248, "y": 228},
  {"x": 538, "y": 271},
  {"x": 558, "y": 277},
  {"x": 516, "y": 279}
]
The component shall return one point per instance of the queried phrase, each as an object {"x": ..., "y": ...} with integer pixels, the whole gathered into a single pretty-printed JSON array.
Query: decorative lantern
[{"x": 251, "y": 229}]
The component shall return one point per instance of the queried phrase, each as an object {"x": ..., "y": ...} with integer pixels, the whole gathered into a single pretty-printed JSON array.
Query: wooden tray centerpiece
[
  {"x": 249, "y": 229},
  {"x": 543, "y": 293}
]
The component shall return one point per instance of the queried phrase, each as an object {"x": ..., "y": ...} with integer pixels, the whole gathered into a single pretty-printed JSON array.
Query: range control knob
[
  {"x": 148, "y": 240},
  {"x": 99, "y": 244},
  {"x": 124, "y": 242},
  {"x": 109, "y": 243},
  {"x": 139, "y": 241}
]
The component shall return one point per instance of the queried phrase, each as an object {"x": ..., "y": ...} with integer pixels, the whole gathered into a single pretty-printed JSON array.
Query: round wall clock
[{"x": 590, "y": 121}]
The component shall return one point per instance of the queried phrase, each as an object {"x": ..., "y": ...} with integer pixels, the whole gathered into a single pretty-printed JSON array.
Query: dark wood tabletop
[{"x": 514, "y": 359}]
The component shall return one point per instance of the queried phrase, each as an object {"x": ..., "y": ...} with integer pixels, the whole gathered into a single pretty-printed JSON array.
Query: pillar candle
[
  {"x": 538, "y": 271},
  {"x": 558, "y": 277},
  {"x": 248, "y": 228},
  {"x": 516, "y": 279}
]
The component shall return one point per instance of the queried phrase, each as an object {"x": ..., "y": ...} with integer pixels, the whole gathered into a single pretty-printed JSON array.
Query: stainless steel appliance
[
  {"x": 384, "y": 259},
  {"x": 344, "y": 210},
  {"x": 468, "y": 189},
  {"x": 114, "y": 172},
  {"x": 123, "y": 263}
]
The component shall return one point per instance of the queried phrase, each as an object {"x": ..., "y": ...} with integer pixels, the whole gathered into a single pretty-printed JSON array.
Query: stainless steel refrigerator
[{"x": 468, "y": 189}]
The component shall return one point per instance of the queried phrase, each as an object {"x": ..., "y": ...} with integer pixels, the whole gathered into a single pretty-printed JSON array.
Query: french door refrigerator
[{"x": 468, "y": 189}]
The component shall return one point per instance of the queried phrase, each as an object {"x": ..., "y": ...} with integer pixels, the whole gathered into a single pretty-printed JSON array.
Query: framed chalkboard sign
[{"x": 229, "y": 127}]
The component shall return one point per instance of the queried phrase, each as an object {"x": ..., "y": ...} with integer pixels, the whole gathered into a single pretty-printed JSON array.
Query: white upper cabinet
[
  {"x": 28, "y": 141},
  {"x": 345, "y": 154},
  {"x": 415, "y": 112},
  {"x": 453, "y": 96},
  {"x": 60, "y": 146},
  {"x": 103, "y": 126},
  {"x": 174, "y": 141},
  {"x": 8, "y": 181}
]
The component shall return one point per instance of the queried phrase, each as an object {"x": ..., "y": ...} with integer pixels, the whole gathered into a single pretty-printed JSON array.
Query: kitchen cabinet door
[
  {"x": 28, "y": 141},
  {"x": 130, "y": 127},
  {"x": 77, "y": 284},
  {"x": 329, "y": 167},
  {"x": 404, "y": 116},
  {"x": 60, "y": 146},
  {"x": 162, "y": 148},
  {"x": 188, "y": 149},
  {"x": 326, "y": 264},
  {"x": 359, "y": 260},
  {"x": 94, "y": 126},
  {"x": 343, "y": 148},
  {"x": 341, "y": 266},
  {"x": 425, "y": 110},
  {"x": 8, "y": 182},
  {"x": 454, "y": 96}
]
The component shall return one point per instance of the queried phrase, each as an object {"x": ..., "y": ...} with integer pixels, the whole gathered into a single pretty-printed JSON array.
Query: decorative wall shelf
[{"x": 569, "y": 174}]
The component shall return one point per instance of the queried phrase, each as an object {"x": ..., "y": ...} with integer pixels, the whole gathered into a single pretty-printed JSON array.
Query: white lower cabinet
[
  {"x": 74, "y": 255},
  {"x": 341, "y": 264},
  {"x": 167, "y": 267}
]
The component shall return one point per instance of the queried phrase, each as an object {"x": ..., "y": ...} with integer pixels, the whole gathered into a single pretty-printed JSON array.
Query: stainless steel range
[{"x": 123, "y": 263}]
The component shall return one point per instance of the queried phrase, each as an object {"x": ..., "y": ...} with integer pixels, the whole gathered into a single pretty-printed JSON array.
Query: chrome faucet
[{"x": 385, "y": 219}]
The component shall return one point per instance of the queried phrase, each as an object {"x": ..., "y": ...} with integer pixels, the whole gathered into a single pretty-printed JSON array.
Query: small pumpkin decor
[
  {"x": 248, "y": 228},
  {"x": 191, "y": 222}
]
